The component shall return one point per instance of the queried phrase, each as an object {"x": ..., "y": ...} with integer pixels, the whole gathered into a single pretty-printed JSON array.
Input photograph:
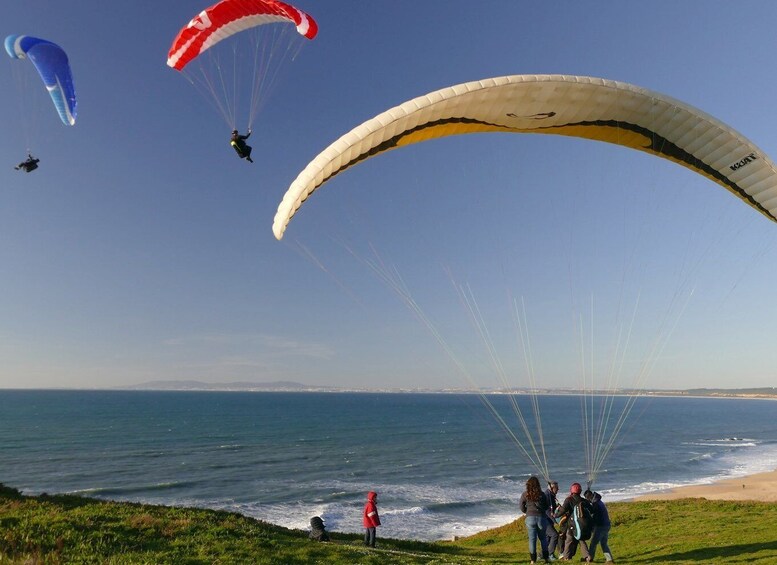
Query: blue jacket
[{"x": 601, "y": 516}]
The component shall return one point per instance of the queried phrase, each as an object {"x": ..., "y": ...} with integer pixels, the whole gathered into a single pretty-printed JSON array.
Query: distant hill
[
  {"x": 756, "y": 392},
  {"x": 199, "y": 385},
  {"x": 292, "y": 386}
]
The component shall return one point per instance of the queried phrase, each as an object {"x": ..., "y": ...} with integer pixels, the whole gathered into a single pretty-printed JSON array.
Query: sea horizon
[{"x": 294, "y": 387}]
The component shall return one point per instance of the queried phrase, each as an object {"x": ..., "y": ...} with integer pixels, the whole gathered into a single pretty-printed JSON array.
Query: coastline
[{"x": 759, "y": 487}]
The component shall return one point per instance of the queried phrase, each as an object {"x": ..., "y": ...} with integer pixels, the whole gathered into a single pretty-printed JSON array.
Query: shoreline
[{"x": 761, "y": 487}]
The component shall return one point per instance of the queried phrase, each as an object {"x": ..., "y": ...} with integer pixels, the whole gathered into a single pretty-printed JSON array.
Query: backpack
[{"x": 582, "y": 520}]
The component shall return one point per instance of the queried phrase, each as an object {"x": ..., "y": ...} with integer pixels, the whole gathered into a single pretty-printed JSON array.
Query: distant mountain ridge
[
  {"x": 200, "y": 385},
  {"x": 293, "y": 386}
]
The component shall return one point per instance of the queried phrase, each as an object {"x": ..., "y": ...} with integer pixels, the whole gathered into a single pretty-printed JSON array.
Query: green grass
[{"x": 71, "y": 529}]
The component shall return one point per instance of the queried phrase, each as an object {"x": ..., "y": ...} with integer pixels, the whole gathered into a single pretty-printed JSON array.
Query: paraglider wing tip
[
  {"x": 11, "y": 49},
  {"x": 280, "y": 221},
  {"x": 174, "y": 63},
  {"x": 307, "y": 26}
]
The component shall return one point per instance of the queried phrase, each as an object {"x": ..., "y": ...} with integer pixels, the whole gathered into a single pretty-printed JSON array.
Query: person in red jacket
[{"x": 371, "y": 518}]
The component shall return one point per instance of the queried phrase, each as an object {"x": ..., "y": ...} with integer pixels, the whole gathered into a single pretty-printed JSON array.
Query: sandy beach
[{"x": 762, "y": 486}]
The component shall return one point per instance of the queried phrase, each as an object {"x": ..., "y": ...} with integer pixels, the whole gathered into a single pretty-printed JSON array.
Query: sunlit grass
[{"x": 71, "y": 529}]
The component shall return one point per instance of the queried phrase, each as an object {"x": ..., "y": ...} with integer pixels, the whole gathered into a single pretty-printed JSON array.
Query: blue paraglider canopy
[{"x": 54, "y": 68}]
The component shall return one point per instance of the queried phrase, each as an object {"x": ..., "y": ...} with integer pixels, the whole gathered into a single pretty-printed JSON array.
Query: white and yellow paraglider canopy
[{"x": 577, "y": 106}]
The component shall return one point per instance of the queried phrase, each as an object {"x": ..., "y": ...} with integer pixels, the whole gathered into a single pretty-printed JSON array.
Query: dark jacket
[
  {"x": 238, "y": 142},
  {"x": 569, "y": 503},
  {"x": 552, "y": 504},
  {"x": 534, "y": 507},
  {"x": 601, "y": 515}
]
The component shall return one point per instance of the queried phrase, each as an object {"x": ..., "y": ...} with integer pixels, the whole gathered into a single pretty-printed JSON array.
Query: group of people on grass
[{"x": 582, "y": 520}]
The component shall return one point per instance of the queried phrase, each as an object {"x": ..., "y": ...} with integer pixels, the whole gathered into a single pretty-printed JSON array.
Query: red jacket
[{"x": 371, "y": 518}]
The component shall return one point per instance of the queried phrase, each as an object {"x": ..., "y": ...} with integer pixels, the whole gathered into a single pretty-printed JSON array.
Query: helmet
[
  {"x": 234, "y": 131},
  {"x": 575, "y": 488}
]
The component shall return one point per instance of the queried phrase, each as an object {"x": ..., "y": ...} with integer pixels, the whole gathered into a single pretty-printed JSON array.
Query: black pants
[{"x": 552, "y": 536}]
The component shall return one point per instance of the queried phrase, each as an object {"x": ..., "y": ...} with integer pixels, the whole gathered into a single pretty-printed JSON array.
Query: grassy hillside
[{"x": 70, "y": 529}]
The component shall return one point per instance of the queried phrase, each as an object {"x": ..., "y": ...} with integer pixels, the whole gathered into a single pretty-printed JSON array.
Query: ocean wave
[
  {"x": 650, "y": 487},
  {"x": 120, "y": 491},
  {"x": 723, "y": 443},
  {"x": 405, "y": 511},
  {"x": 508, "y": 478},
  {"x": 412, "y": 522}
]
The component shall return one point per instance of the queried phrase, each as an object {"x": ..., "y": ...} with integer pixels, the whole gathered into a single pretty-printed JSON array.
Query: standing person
[
  {"x": 567, "y": 510},
  {"x": 551, "y": 534},
  {"x": 601, "y": 526},
  {"x": 534, "y": 504},
  {"x": 239, "y": 143},
  {"x": 371, "y": 518}
]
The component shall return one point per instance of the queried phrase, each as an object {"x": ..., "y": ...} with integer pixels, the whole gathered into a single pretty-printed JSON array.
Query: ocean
[{"x": 440, "y": 463}]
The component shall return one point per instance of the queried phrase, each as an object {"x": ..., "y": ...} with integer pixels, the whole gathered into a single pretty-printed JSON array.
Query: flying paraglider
[
  {"x": 29, "y": 165},
  {"x": 576, "y": 106},
  {"x": 52, "y": 64},
  {"x": 234, "y": 42}
]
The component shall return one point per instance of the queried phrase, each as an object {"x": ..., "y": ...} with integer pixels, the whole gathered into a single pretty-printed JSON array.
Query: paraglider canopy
[
  {"x": 52, "y": 64},
  {"x": 576, "y": 106},
  {"x": 228, "y": 18},
  {"x": 233, "y": 53}
]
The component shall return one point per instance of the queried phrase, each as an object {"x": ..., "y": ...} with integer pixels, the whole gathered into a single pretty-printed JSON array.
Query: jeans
[
  {"x": 369, "y": 537},
  {"x": 535, "y": 525},
  {"x": 599, "y": 535}
]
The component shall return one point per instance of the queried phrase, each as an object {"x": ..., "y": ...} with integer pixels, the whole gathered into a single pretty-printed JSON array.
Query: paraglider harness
[
  {"x": 29, "y": 165},
  {"x": 317, "y": 531}
]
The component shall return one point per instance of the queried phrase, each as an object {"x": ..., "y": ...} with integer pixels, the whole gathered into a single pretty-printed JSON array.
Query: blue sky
[{"x": 142, "y": 248}]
